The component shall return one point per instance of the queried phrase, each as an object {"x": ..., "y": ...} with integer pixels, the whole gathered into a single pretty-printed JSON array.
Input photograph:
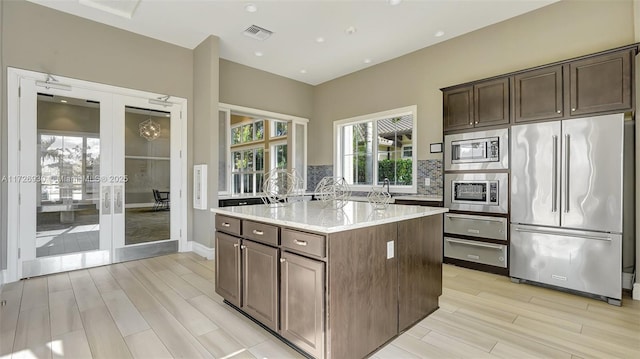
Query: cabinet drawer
[
  {"x": 228, "y": 224},
  {"x": 260, "y": 232},
  {"x": 476, "y": 226},
  {"x": 478, "y": 252},
  {"x": 307, "y": 243}
]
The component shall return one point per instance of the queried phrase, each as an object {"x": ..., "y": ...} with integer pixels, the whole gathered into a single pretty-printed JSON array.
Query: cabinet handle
[
  {"x": 243, "y": 247},
  {"x": 225, "y": 224},
  {"x": 257, "y": 232},
  {"x": 282, "y": 260},
  {"x": 573, "y": 109},
  {"x": 236, "y": 245},
  {"x": 300, "y": 243},
  {"x": 558, "y": 111},
  {"x": 476, "y": 122}
]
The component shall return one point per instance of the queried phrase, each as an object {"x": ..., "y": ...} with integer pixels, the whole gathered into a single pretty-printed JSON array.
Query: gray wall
[
  {"x": 205, "y": 132},
  {"x": 556, "y": 32},
  {"x": 40, "y": 39},
  {"x": 245, "y": 86}
]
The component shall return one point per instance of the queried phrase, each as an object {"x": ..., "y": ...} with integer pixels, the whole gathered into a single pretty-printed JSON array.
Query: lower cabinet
[
  {"x": 260, "y": 283},
  {"x": 228, "y": 267},
  {"x": 247, "y": 277},
  {"x": 302, "y": 302}
]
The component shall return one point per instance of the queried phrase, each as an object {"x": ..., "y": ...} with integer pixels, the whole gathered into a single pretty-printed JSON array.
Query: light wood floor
[{"x": 166, "y": 307}]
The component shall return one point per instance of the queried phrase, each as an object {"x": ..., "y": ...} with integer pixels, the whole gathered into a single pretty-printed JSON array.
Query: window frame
[
  {"x": 229, "y": 109},
  {"x": 253, "y": 172},
  {"x": 338, "y": 155}
]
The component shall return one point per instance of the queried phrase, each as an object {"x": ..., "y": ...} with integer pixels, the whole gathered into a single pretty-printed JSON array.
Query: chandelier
[{"x": 149, "y": 129}]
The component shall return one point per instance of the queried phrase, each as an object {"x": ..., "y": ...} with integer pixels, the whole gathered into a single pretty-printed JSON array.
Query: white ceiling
[{"x": 383, "y": 31}]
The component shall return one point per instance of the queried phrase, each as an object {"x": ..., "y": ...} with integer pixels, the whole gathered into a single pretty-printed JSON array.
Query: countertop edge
[{"x": 328, "y": 230}]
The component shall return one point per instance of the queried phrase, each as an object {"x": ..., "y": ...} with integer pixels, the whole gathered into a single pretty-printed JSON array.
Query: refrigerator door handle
[
  {"x": 567, "y": 167},
  {"x": 566, "y": 234},
  {"x": 554, "y": 173}
]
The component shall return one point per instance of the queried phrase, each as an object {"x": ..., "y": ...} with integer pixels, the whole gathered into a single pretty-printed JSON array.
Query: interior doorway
[{"x": 96, "y": 174}]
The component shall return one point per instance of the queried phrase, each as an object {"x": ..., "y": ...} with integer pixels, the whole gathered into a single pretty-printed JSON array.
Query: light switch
[
  {"x": 390, "y": 250},
  {"x": 427, "y": 181}
]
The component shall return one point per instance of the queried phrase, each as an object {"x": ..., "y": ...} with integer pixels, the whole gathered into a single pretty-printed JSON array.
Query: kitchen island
[{"x": 336, "y": 283}]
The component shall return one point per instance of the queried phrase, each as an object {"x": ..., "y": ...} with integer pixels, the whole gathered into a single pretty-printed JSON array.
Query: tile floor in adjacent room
[{"x": 166, "y": 307}]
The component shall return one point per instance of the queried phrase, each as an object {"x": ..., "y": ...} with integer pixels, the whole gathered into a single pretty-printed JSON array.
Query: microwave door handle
[{"x": 554, "y": 188}]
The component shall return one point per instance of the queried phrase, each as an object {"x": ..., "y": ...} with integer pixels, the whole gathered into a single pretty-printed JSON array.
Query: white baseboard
[
  {"x": 3, "y": 277},
  {"x": 636, "y": 291},
  {"x": 202, "y": 250},
  {"x": 627, "y": 280}
]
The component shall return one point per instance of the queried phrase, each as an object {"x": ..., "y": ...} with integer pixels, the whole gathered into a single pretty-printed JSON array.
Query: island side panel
[
  {"x": 420, "y": 268},
  {"x": 363, "y": 291}
]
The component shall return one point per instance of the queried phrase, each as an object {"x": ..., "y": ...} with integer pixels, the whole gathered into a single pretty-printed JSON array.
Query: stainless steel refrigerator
[{"x": 566, "y": 204}]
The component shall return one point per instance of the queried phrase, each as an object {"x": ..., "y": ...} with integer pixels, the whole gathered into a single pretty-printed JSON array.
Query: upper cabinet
[
  {"x": 593, "y": 84},
  {"x": 483, "y": 104},
  {"x": 491, "y": 102},
  {"x": 600, "y": 84},
  {"x": 458, "y": 108},
  {"x": 538, "y": 94}
]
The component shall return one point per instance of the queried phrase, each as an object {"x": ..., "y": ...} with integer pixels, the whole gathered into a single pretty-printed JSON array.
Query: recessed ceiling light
[
  {"x": 258, "y": 53},
  {"x": 438, "y": 33},
  {"x": 367, "y": 61},
  {"x": 63, "y": 101},
  {"x": 350, "y": 30},
  {"x": 394, "y": 2},
  {"x": 251, "y": 8},
  {"x": 319, "y": 39},
  {"x": 303, "y": 71}
]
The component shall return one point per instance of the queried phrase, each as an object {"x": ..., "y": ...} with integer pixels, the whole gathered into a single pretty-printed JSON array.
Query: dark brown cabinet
[
  {"x": 483, "y": 104},
  {"x": 418, "y": 258},
  {"x": 538, "y": 94},
  {"x": 260, "y": 282},
  {"x": 458, "y": 108},
  {"x": 302, "y": 302},
  {"x": 228, "y": 267},
  {"x": 601, "y": 83},
  {"x": 491, "y": 102}
]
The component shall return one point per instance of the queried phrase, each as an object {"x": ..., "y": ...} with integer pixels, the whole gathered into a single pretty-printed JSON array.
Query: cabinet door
[
  {"x": 260, "y": 283},
  {"x": 302, "y": 302},
  {"x": 491, "y": 102},
  {"x": 601, "y": 83},
  {"x": 228, "y": 267},
  {"x": 538, "y": 94},
  {"x": 458, "y": 108}
]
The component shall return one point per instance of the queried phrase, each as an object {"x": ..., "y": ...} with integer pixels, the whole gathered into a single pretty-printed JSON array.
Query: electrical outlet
[{"x": 427, "y": 181}]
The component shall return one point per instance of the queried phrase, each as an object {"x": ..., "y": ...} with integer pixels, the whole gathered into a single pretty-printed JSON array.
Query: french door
[{"x": 88, "y": 165}]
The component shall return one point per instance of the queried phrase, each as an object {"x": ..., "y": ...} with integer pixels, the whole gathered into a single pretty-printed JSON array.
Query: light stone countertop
[{"x": 312, "y": 216}]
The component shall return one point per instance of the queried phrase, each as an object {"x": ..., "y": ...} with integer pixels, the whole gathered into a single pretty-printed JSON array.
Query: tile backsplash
[{"x": 431, "y": 169}]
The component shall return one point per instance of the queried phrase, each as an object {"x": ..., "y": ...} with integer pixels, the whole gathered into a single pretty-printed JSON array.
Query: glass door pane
[
  {"x": 68, "y": 175},
  {"x": 147, "y": 168}
]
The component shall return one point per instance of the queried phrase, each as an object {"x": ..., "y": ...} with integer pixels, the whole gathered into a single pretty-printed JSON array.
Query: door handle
[
  {"x": 257, "y": 232},
  {"x": 117, "y": 209},
  {"x": 567, "y": 156},
  {"x": 586, "y": 236},
  {"x": 475, "y": 244},
  {"x": 554, "y": 173}
]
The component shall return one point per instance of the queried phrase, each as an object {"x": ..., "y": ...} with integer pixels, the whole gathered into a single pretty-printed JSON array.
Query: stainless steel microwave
[
  {"x": 477, "y": 150},
  {"x": 477, "y": 192}
]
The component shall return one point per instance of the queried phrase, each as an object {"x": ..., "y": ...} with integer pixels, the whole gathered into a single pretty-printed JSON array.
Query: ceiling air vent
[{"x": 257, "y": 32}]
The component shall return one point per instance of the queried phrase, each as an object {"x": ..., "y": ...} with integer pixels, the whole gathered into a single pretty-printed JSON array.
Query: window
[
  {"x": 247, "y": 172},
  {"x": 69, "y": 164},
  {"x": 279, "y": 156},
  {"x": 253, "y": 142},
  {"x": 375, "y": 147},
  {"x": 278, "y": 128},
  {"x": 247, "y": 132},
  {"x": 407, "y": 151}
]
